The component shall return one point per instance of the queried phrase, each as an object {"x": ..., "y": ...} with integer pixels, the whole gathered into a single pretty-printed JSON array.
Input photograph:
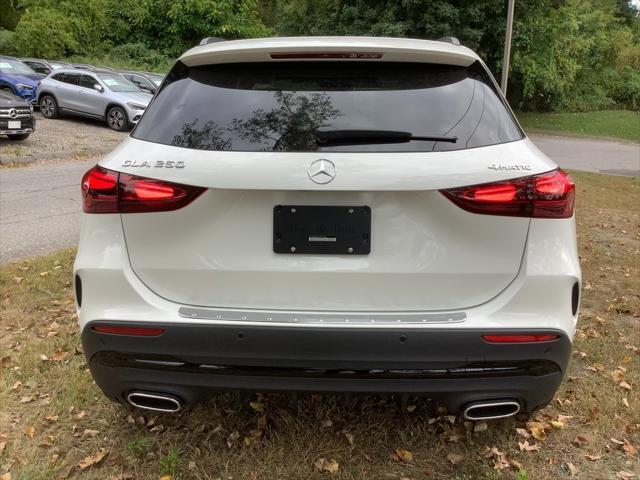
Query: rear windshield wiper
[{"x": 326, "y": 136}]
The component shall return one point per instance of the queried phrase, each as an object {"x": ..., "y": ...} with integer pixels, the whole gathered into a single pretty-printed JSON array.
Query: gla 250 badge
[{"x": 156, "y": 164}]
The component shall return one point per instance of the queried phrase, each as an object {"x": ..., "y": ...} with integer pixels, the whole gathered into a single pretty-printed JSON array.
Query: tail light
[
  {"x": 521, "y": 338},
  {"x": 327, "y": 55},
  {"x": 548, "y": 195},
  {"x": 106, "y": 191},
  {"x": 122, "y": 330}
]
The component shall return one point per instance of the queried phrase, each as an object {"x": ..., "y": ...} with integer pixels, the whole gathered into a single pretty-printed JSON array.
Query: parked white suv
[{"x": 329, "y": 214}]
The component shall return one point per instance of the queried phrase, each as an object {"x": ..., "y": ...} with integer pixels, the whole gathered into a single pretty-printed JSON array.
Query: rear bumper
[{"x": 452, "y": 366}]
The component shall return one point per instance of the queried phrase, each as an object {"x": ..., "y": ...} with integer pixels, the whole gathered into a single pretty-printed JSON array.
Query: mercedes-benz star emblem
[
  {"x": 322, "y": 171},
  {"x": 13, "y": 113}
]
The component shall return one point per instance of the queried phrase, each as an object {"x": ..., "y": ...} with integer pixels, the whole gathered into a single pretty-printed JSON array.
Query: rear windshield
[{"x": 279, "y": 107}]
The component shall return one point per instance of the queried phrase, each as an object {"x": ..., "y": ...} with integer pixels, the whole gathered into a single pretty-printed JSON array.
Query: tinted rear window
[{"x": 278, "y": 106}]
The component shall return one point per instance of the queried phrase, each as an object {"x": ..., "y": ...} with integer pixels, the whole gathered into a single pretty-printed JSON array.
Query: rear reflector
[
  {"x": 328, "y": 55},
  {"x": 549, "y": 195},
  {"x": 120, "y": 330},
  {"x": 106, "y": 191},
  {"x": 521, "y": 338}
]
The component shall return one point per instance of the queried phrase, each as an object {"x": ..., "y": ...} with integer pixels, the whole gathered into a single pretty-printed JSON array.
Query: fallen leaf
[
  {"x": 349, "y": 437},
  {"x": 3, "y": 445},
  {"x": 51, "y": 418},
  {"x": 93, "y": 459},
  {"x": 625, "y": 385},
  {"x": 6, "y": 362},
  {"x": 326, "y": 423},
  {"x": 90, "y": 433},
  {"x": 556, "y": 424},
  {"x": 58, "y": 355},
  {"x": 5, "y": 476},
  {"x": 537, "y": 430},
  {"x": 455, "y": 458},
  {"x": 565, "y": 418},
  {"x": 480, "y": 427},
  {"x": 30, "y": 431},
  {"x": 16, "y": 385},
  {"x": 257, "y": 406},
  {"x": 625, "y": 402},
  {"x": 81, "y": 415},
  {"x": 572, "y": 469},
  {"x": 580, "y": 440},
  {"x": 44, "y": 274},
  {"x": 27, "y": 399},
  {"x": 592, "y": 458},
  {"x": 324, "y": 465},
  {"x": 617, "y": 375},
  {"x": 622, "y": 475},
  {"x": 629, "y": 448},
  {"x": 166, "y": 477},
  {"x": 404, "y": 455},
  {"x": 527, "y": 447},
  {"x": 523, "y": 432}
]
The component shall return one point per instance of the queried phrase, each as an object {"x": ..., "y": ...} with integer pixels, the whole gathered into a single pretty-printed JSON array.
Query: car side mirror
[{"x": 98, "y": 87}]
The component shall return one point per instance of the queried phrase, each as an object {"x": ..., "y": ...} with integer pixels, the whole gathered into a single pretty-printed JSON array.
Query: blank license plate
[
  {"x": 344, "y": 230},
  {"x": 14, "y": 124}
]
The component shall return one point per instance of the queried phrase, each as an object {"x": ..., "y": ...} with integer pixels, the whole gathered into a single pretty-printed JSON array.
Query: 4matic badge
[
  {"x": 496, "y": 166},
  {"x": 156, "y": 164}
]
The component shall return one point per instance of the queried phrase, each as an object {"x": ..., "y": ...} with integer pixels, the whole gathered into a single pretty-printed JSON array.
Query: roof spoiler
[
  {"x": 208, "y": 40},
  {"x": 451, "y": 40}
]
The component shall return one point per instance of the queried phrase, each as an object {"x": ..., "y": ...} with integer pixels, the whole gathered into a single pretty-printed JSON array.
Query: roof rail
[
  {"x": 208, "y": 40},
  {"x": 451, "y": 40}
]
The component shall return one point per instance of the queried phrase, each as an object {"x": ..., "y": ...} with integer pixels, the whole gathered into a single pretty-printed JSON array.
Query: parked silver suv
[{"x": 95, "y": 94}]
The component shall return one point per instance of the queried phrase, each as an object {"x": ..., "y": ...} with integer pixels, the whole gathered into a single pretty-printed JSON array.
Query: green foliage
[
  {"x": 45, "y": 32},
  {"x": 139, "y": 447},
  {"x": 608, "y": 123},
  {"x": 169, "y": 464},
  {"x": 568, "y": 55},
  {"x": 7, "y": 42}
]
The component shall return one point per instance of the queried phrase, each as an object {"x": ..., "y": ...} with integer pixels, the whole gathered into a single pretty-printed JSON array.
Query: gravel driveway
[{"x": 61, "y": 139}]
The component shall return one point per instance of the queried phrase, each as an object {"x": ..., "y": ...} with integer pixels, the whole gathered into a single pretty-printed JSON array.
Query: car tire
[
  {"x": 117, "y": 119},
  {"x": 48, "y": 106},
  {"x": 18, "y": 136}
]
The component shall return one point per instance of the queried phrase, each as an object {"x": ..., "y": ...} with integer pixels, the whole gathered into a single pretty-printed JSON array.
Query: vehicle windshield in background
[
  {"x": 157, "y": 79},
  {"x": 116, "y": 83},
  {"x": 280, "y": 107},
  {"x": 17, "y": 68}
]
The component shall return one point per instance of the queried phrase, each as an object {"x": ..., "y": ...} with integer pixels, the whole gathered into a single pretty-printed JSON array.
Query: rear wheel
[
  {"x": 48, "y": 106},
  {"x": 19, "y": 136},
  {"x": 117, "y": 119}
]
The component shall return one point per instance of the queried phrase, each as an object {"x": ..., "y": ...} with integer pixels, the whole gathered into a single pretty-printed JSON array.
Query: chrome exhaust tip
[
  {"x": 489, "y": 410},
  {"x": 156, "y": 402}
]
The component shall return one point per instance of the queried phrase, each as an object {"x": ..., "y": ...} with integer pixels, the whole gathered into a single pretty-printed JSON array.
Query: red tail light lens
[
  {"x": 121, "y": 330},
  {"x": 521, "y": 338},
  {"x": 549, "y": 195},
  {"x": 327, "y": 55},
  {"x": 106, "y": 191},
  {"x": 100, "y": 191}
]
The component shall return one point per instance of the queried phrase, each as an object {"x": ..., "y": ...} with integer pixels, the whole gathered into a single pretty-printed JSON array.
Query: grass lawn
[
  {"x": 55, "y": 423},
  {"x": 623, "y": 124}
]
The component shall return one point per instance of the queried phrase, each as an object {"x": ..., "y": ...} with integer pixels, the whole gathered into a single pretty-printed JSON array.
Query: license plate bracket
[
  {"x": 14, "y": 124},
  {"x": 328, "y": 230}
]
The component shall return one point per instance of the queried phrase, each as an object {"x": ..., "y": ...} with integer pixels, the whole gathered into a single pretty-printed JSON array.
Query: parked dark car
[
  {"x": 18, "y": 78},
  {"x": 38, "y": 65},
  {"x": 83, "y": 66},
  {"x": 141, "y": 80},
  {"x": 16, "y": 116}
]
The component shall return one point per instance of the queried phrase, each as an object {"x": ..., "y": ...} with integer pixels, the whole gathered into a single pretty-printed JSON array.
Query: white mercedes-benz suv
[{"x": 329, "y": 214}]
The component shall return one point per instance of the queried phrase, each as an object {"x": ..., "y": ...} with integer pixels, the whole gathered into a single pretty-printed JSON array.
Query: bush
[
  {"x": 138, "y": 53},
  {"x": 46, "y": 33},
  {"x": 7, "y": 42}
]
